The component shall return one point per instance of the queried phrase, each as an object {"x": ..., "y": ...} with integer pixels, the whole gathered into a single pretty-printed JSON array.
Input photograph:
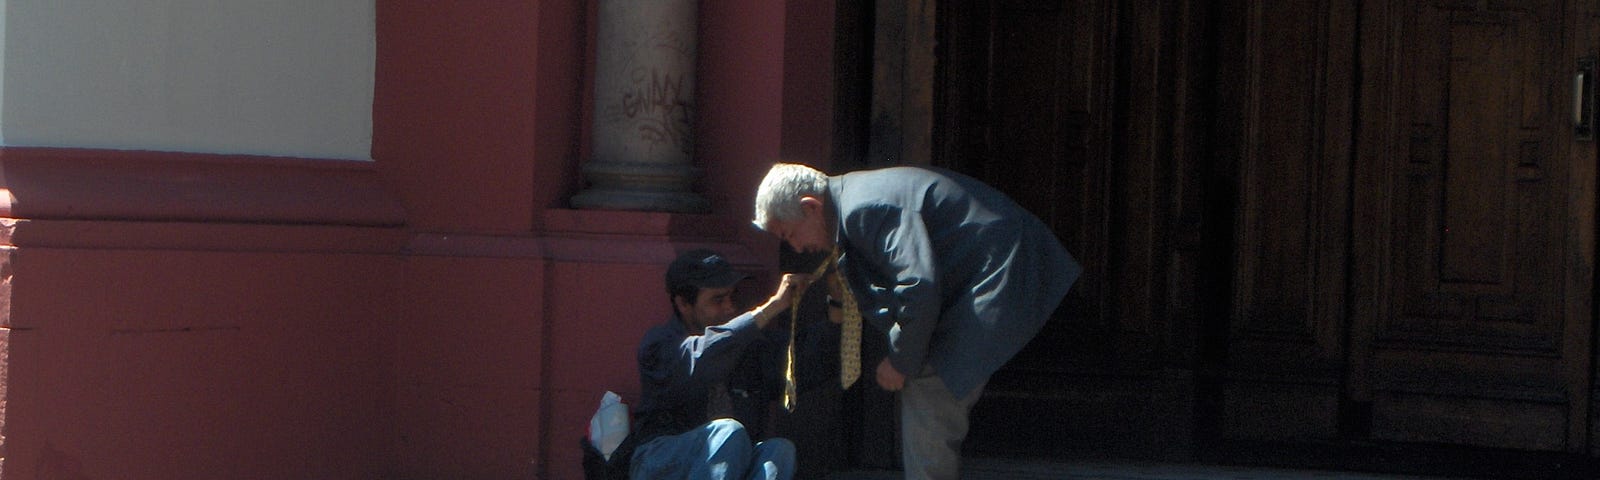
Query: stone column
[{"x": 643, "y": 152}]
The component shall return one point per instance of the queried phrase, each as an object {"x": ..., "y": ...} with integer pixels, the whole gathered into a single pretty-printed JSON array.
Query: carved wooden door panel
[
  {"x": 1473, "y": 226},
  {"x": 1289, "y": 81},
  {"x": 1021, "y": 112},
  {"x": 1027, "y": 100}
]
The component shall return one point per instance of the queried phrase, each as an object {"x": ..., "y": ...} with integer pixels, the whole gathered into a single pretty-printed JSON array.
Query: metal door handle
[{"x": 1583, "y": 99}]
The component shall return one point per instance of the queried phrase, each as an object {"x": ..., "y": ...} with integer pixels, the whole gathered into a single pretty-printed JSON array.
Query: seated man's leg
[
  {"x": 727, "y": 451},
  {"x": 719, "y": 450},
  {"x": 662, "y": 457},
  {"x": 772, "y": 460}
]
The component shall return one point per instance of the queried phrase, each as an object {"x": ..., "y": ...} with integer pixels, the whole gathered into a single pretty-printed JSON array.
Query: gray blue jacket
[{"x": 958, "y": 274}]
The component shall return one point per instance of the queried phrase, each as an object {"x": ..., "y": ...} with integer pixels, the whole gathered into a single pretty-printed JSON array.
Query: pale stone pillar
[{"x": 643, "y": 152}]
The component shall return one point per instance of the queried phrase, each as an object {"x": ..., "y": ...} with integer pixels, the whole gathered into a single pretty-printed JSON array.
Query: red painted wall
[
  {"x": 190, "y": 365},
  {"x": 740, "y": 99},
  {"x": 153, "y": 330},
  {"x": 437, "y": 313},
  {"x": 808, "y": 96},
  {"x": 454, "y": 109},
  {"x": 468, "y": 363},
  {"x": 183, "y": 350}
]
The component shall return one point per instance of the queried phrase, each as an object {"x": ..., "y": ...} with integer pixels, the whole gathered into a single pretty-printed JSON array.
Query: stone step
[{"x": 1013, "y": 469}]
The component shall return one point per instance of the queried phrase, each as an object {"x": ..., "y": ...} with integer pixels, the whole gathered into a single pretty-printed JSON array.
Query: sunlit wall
[{"x": 281, "y": 78}]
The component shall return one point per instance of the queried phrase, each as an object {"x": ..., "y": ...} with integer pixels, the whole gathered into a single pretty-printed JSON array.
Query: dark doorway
[
  {"x": 1090, "y": 117},
  {"x": 1333, "y": 224}
]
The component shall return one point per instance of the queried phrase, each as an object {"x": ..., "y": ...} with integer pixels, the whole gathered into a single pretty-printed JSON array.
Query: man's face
[
  {"x": 809, "y": 233},
  {"x": 713, "y": 307}
]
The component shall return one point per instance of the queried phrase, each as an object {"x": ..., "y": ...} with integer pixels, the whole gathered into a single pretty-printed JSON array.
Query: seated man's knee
[
  {"x": 727, "y": 428},
  {"x": 728, "y": 435},
  {"x": 774, "y": 459},
  {"x": 779, "y": 450}
]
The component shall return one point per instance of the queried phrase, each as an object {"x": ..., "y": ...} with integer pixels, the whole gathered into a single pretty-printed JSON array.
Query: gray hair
[{"x": 778, "y": 198}]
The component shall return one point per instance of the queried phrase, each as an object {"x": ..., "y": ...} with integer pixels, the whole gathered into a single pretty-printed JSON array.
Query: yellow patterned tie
[
  {"x": 849, "y": 334},
  {"x": 794, "y": 328},
  {"x": 849, "y": 331}
]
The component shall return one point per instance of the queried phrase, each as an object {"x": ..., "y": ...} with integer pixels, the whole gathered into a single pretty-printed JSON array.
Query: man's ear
[
  {"x": 682, "y": 304},
  {"x": 810, "y": 204}
]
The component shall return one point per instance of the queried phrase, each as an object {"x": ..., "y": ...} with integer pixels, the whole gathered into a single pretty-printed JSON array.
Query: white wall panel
[{"x": 265, "y": 77}]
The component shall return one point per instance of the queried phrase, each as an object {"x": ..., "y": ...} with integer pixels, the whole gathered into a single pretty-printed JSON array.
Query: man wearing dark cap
[{"x": 682, "y": 427}]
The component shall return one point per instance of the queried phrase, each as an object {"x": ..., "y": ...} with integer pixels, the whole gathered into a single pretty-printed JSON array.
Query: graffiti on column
[
  {"x": 655, "y": 105},
  {"x": 658, "y": 108}
]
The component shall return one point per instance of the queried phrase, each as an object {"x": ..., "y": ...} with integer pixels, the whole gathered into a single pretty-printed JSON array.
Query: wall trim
[
  {"x": 600, "y": 237},
  {"x": 127, "y": 185},
  {"x": 201, "y": 237}
]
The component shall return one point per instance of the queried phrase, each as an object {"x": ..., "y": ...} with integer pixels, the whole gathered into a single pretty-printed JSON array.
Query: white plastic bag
[{"x": 609, "y": 426}]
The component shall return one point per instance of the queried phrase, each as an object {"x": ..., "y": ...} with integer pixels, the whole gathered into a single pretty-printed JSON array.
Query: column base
[
  {"x": 675, "y": 202},
  {"x": 640, "y": 186}
]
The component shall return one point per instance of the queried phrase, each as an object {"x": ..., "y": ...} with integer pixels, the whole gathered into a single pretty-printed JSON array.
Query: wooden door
[
  {"x": 1024, "y": 99},
  {"x": 1084, "y": 113},
  {"x": 1286, "y": 91},
  {"x": 1473, "y": 226},
  {"x": 1306, "y": 221}
]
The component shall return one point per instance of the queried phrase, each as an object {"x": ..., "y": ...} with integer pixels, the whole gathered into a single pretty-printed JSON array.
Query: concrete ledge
[
  {"x": 87, "y": 184},
  {"x": 200, "y": 237}
]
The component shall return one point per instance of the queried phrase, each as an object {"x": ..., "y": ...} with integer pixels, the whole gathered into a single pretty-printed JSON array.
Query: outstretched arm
[{"x": 714, "y": 353}]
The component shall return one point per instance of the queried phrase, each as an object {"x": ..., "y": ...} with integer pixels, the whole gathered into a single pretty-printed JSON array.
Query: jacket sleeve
[
  {"x": 713, "y": 355},
  {"x": 679, "y": 371},
  {"x": 895, "y": 242}
]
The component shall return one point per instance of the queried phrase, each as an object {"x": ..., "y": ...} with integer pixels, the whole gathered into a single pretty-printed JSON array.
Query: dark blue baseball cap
[{"x": 702, "y": 268}]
